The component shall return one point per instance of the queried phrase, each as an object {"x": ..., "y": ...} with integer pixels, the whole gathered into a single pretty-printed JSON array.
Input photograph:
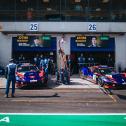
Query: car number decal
[{"x": 33, "y": 81}]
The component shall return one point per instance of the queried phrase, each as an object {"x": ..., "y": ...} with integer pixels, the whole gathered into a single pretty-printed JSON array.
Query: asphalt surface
[{"x": 80, "y": 96}]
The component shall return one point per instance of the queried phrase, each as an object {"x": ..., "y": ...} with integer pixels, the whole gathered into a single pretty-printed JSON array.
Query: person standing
[
  {"x": 109, "y": 60},
  {"x": 29, "y": 13},
  {"x": 81, "y": 61},
  {"x": 41, "y": 62},
  {"x": 62, "y": 44},
  {"x": 90, "y": 61},
  {"x": 10, "y": 76},
  {"x": 36, "y": 60}
]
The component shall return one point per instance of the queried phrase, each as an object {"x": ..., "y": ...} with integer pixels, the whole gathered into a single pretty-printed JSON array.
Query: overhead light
[
  {"x": 98, "y": 9},
  {"x": 77, "y": 1},
  {"x": 23, "y": 1},
  {"x": 49, "y": 9},
  {"x": 105, "y": 1},
  {"x": 45, "y": 1}
]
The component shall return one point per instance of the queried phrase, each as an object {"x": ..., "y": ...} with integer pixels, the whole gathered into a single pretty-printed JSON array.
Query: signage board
[
  {"x": 33, "y": 26},
  {"x": 92, "y": 27},
  {"x": 80, "y": 39},
  {"x": 104, "y": 37}
]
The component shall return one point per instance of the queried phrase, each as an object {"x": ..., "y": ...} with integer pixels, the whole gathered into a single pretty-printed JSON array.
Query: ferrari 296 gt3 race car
[
  {"x": 103, "y": 75},
  {"x": 29, "y": 75}
]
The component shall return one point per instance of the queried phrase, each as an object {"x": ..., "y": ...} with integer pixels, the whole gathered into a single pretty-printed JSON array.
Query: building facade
[{"x": 104, "y": 19}]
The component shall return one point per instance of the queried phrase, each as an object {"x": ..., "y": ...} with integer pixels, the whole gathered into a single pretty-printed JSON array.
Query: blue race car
[
  {"x": 29, "y": 75},
  {"x": 104, "y": 75}
]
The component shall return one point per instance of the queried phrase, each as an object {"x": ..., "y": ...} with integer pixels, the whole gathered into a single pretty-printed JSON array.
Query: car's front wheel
[{"x": 100, "y": 82}]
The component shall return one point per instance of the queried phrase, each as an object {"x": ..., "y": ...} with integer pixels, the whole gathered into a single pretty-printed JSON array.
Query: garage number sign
[
  {"x": 92, "y": 27},
  {"x": 33, "y": 27}
]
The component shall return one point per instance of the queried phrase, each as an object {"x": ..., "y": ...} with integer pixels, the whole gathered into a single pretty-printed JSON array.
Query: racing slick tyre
[
  {"x": 45, "y": 83},
  {"x": 99, "y": 82}
]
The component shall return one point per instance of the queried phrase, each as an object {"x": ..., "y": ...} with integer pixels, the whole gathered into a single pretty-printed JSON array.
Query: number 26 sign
[{"x": 92, "y": 27}]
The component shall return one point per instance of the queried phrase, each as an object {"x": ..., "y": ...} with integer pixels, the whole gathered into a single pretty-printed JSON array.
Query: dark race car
[
  {"x": 29, "y": 75},
  {"x": 104, "y": 75}
]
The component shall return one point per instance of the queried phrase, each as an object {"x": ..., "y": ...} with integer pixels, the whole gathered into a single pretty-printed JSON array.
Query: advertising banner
[
  {"x": 34, "y": 41},
  {"x": 92, "y": 41}
]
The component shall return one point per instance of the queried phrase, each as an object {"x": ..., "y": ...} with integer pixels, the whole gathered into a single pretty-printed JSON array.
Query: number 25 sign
[
  {"x": 92, "y": 27},
  {"x": 33, "y": 26}
]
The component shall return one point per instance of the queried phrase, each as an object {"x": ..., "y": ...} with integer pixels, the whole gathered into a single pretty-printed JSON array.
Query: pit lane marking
[
  {"x": 57, "y": 101},
  {"x": 112, "y": 97}
]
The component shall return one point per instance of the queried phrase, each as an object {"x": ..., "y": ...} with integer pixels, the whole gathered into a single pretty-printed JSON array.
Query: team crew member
[
  {"x": 90, "y": 61},
  {"x": 10, "y": 76},
  {"x": 36, "y": 60},
  {"x": 81, "y": 61}
]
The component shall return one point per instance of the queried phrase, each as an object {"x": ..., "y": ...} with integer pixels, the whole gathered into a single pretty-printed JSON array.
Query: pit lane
[{"x": 80, "y": 96}]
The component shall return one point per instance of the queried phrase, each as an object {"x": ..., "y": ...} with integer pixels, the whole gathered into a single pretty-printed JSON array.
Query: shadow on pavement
[
  {"x": 38, "y": 96},
  {"x": 121, "y": 96}
]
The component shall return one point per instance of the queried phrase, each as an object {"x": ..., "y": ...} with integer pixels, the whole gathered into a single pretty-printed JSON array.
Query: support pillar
[{"x": 120, "y": 53}]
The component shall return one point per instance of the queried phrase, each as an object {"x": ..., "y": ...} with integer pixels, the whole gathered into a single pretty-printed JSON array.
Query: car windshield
[
  {"x": 26, "y": 68},
  {"x": 105, "y": 70}
]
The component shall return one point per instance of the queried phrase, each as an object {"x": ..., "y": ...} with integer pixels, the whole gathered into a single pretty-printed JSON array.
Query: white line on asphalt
[
  {"x": 57, "y": 101},
  {"x": 102, "y": 114},
  {"x": 111, "y": 96}
]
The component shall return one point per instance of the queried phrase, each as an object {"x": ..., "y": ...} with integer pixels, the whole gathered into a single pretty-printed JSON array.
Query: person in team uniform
[
  {"x": 91, "y": 60},
  {"x": 36, "y": 60},
  {"x": 81, "y": 61},
  {"x": 10, "y": 76}
]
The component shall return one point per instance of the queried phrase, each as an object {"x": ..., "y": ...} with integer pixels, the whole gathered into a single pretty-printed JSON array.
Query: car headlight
[{"x": 21, "y": 78}]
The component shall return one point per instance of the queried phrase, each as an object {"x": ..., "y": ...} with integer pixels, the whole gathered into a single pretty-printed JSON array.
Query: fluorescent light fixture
[
  {"x": 23, "y": 1},
  {"x": 77, "y": 1},
  {"x": 105, "y": 1},
  {"x": 45, "y": 1},
  {"x": 98, "y": 9}
]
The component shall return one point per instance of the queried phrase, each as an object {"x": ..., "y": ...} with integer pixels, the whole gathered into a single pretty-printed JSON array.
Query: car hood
[{"x": 28, "y": 73}]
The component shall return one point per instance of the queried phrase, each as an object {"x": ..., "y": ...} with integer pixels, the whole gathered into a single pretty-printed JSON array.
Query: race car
[
  {"x": 29, "y": 75},
  {"x": 103, "y": 75}
]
